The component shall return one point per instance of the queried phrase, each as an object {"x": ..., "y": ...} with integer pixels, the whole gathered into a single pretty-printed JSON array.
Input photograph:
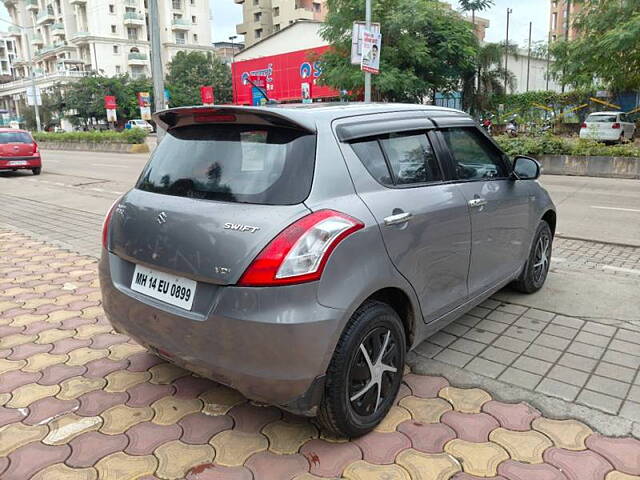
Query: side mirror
[{"x": 525, "y": 168}]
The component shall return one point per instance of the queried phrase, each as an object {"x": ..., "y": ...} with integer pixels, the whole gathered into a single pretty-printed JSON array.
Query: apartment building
[
  {"x": 7, "y": 57},
  {"x": 261, "y": 18},
  {"x": 562, "y": 14},
  {"x": 68, "y": 39}
]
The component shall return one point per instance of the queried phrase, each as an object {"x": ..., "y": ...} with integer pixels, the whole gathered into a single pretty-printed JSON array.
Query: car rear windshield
[
  {"x": 233, "y": 163},
  {"x": 602, "y": 119},
  {"x": 15, "y": 137}
]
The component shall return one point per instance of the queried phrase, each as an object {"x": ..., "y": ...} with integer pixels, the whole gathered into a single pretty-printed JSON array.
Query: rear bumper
[
  {"x": 603, "y": 136},
  {"x": 20, "y": 162},
  {"x": 270, "y": 344}
]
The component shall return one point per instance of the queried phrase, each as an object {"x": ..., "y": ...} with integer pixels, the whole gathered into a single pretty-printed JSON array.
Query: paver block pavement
[{"x": 78, "y": 401}]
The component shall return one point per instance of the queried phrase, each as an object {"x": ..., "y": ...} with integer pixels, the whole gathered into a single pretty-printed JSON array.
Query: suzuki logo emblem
[{"x": 162, "y": 218}]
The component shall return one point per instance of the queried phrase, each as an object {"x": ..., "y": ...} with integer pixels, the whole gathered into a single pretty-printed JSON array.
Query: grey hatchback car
[{"x": 296, "y": 253}]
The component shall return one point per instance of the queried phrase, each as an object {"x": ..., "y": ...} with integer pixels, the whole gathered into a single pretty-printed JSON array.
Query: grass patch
[
  {"x": 552, "y": 145},
  {"x": 132, "y": 136}
]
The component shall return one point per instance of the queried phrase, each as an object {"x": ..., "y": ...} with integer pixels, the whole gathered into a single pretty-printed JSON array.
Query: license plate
[
  {"x": 18, "y": 163},
  {"x": 167, "y": 288}
]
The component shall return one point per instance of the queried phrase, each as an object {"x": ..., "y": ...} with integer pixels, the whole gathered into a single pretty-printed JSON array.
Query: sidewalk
[{"x": 78, "y": 401}]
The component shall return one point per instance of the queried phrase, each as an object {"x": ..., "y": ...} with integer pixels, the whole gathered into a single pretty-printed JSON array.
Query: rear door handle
[
  {"x": 397, "y": 219},
  {"x": 477, "y": 202}
]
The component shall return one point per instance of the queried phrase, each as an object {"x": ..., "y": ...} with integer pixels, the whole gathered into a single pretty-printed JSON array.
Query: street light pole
[
  {"x": 156, "y": 61},
  {"x": 233, "y": 47},
  {"x": 506, "y": 53},
  {"x": 529, "y": 56},
  {"x": 367, "y": 75},
  {"x": 32, "y": 74}
]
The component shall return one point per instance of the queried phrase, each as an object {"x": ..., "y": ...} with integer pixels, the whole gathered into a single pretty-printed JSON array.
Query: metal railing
[
  {"x": 133, "y": 16},
  {"x": 181, "y": 22},
  {"x": 137, "y": 56},
  {"x": 43, "y": 77},
  {"x": 45, "y": 14}
]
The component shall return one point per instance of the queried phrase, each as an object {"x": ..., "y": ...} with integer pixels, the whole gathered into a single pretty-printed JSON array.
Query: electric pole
[
  {"x": 367, "y": 75},
  {"x": 506, "y": 54},
  {"x": 529, "y": 56},
  {"x": 156, "y": 61}
]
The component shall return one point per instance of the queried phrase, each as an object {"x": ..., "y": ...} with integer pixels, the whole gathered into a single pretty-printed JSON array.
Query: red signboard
[
  {"x": 284, "y": 74},
  {"x": 206, "y": 93},
  {"x": 258, "y": 80},
  {"x": 110, "y": 102}
]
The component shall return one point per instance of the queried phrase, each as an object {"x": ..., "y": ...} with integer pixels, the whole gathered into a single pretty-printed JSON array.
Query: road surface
[{"x": 606, "y": 210}]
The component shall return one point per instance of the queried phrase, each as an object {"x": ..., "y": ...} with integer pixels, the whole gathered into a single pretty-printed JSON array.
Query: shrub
[
  {"x": 552, "y": 145},
  {"x": 132, "y": 136}
]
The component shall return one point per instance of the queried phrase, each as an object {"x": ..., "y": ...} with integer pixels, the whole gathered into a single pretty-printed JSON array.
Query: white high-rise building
[{"x": 70, "y": 38}]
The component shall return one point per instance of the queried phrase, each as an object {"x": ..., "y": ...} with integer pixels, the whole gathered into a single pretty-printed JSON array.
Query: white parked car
[
  {"x": 139, "y": 123},
  {"x": 608, "y": 127}
]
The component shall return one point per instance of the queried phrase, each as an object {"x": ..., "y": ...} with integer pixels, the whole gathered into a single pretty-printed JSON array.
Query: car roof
[
  {"x": 306, "y": 115},
  {"x": 5, "y": 130}
]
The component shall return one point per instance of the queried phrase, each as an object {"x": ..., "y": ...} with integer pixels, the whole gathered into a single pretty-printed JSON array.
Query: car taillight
[
  {"x": 615, "y": 126},
  {"x": 106, "y": 222},
  {"x": 35, "y": 147},
  {"x": 584, "y": 125},
  {"x": 299, "y": 253}
]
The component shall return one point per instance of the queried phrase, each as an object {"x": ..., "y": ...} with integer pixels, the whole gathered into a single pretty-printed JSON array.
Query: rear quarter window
[{"x": 233, "y": 163}]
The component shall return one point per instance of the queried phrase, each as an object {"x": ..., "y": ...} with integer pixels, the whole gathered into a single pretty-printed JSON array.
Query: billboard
[
  {"x": 371, "y": 44},
  {"x": 284, "y": 75}
]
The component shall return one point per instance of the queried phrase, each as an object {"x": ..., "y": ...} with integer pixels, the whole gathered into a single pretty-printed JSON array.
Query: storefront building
[{"x": 292, "y": 74}]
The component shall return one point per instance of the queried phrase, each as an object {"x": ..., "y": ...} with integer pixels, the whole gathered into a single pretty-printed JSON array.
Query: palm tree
[
  {"x": 491, "y": 74},
  {"x": 474, "y": 6}
]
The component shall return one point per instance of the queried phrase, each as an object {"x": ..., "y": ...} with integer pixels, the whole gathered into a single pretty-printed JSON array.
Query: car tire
[
  {"x": 360, "y": 389},
  {"x": 536, "y": 269},
  {"x": 37, "y": 170}
]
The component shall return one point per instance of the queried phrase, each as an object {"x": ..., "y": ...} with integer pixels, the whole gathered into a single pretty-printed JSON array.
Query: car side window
[
  {"x": 399, "y": 159},
  {"x": 370, "y": 154},
  {"x": 473, "y": 156},
  {"x": 411, "y": 158}
]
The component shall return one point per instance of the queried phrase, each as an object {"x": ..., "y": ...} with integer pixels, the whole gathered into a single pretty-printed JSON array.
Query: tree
[
  {"x": 491, "y": 74},
  {"x": 86, "y": 97},
  {"x": 50, "y": 111},
  {"x": 425, "y": 48},
  {"x": 470, "y": 83},
  {"x": 474, "y": 6},
  {"x": 188, "y": 71},
  {"x": 606, "y": 49}
]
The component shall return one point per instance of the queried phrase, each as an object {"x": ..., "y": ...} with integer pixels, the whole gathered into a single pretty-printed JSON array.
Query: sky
[{"x": 226, "y": 14}]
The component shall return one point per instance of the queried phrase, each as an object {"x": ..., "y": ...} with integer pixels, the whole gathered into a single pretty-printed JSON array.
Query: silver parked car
[{"x": 296, "y": 253}]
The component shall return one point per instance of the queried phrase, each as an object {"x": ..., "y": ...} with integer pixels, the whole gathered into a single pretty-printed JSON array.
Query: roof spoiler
[{"x": 184, "y": 116}]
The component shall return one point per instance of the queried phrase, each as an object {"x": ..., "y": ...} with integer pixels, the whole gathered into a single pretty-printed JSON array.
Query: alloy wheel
[
  {"x": 373, "y": 372},
  {"x": 541, "y": 257}
]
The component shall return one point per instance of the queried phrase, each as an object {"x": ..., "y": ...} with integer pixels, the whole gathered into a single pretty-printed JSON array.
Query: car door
[
  {"x": 500, "y": 207},
  {"x": 423, "y": 219},
  {"x": 628, "y": 126}
]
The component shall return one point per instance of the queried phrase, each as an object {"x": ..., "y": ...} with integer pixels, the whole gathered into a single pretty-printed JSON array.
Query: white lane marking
[
  {"x": 617, "y": 208},
  {"x": 621, "y": 269},
  {"x": 109, "y": 165}
]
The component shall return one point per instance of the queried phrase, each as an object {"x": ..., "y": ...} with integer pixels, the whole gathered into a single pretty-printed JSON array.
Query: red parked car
[{"x": 18, "y": 150}]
